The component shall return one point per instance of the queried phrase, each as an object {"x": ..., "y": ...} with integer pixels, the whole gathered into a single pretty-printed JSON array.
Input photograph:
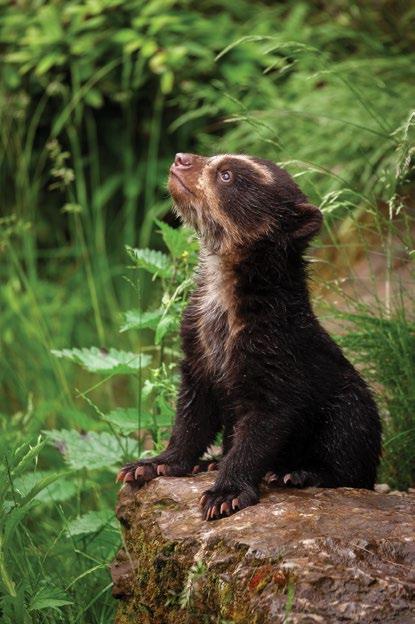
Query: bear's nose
[{"x": 183, "y": 161}]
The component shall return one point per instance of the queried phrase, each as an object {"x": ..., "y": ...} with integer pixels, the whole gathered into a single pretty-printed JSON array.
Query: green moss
[{"x": 174, "y": 584}]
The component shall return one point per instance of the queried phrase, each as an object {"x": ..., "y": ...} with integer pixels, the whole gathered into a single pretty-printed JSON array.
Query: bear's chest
[{"x": 216, "y": 315}]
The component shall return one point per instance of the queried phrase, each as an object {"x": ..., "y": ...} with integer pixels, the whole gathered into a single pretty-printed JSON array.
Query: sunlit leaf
[
  {"x": 91, "y": 522},
  {"x": 177, "y": 240},
  {"x": 60, "y": 490},
  {"x": 128, "y": 420},
  {"x": 49, "y": 598},
  {"x": 136, "y": 319},
  {"x": 91, "y": 450},
  {"x": 98, "y": 360},
  {"x": 155, "y": 262}
]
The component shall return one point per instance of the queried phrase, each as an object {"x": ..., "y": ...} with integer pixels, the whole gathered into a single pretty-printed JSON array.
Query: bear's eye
[{"x": 226, "y": 176}]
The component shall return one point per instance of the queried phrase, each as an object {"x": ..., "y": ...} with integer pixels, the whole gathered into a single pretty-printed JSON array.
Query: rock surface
[{"x": 304, "y": 556}]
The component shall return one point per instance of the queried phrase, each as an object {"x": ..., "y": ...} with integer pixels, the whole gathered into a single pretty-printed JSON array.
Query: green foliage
[
  {"x": 154, "y": 262},
  {"x": 80, "y": 519},
  {"x": 178, "y": 241},
  {"x": 48, "y": 598},
  {"x": 106, "y": 362},
  {"x": 89, "y": 124},
  {"x": 29, "y": 583},
  {"x": 128, "y": 420},
  {"x": 136, "y": 319},
  {"x": 91, "y": 522},
  {"x": 59, "y": 490},
  {"x": 91, "y": 450},
  {"x": 385, "y": 350}
]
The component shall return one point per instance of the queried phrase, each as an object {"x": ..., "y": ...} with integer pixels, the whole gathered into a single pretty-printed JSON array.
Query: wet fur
[{"x": 257, "y": 363}]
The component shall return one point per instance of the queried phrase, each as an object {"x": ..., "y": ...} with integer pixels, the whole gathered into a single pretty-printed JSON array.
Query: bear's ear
[{"x": 308, "y": 223}]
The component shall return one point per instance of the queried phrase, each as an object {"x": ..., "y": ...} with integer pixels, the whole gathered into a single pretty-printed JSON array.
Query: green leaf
[
  {"x": 49, "y": 61},
  {"x": 25, "y": 457},
  {"x": 155, "y": 262},
  {"x": 167, "y": 324},
  {"x": 106, "y": 362},
  {"x": 14, "y": 518},
  {"x": 49, "y": 598},
  {"x": 94, "y": 98},
  {"x": 147, "y": 389},
  {"x": 136, "y": 319},
  {"x": 177, "y": 240},
  {"x": 91, "y": 450},
  {"x": 4, "y": 573},
  {"x": 127, "y": 420},
  {"x": 58, "y": 491},
  {"x": 167, "y": 82},
  {"x": 91, "y": 522},
  {"x": 43, "y": 483},
  {"x": 126, "y": 35}
]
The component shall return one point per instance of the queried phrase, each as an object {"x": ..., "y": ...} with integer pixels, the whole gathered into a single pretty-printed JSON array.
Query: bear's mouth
[{"x": 180, "y": 181}]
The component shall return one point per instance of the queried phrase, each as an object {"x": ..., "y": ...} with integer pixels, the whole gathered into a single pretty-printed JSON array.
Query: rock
[
  {"x": 382, "y": 488},
  {"x": 299, "y": 556}
]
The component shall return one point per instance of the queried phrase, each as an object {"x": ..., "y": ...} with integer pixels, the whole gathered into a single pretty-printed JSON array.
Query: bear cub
[{"x": 257, "y": 364}]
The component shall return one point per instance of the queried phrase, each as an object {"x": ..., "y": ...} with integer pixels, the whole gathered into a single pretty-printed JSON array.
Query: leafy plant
[
  {"x": 17, "y": 503},
  {"x": 106, "y": 362},
  {"x": 90, "y": 450},
  {"x": 385, "y": 350},
  {"x": 91, "y": 522},
  {"x": 92, "y": 457}
]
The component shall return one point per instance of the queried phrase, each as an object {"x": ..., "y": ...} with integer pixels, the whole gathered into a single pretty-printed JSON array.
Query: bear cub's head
[{"x": 234, "y": 200}]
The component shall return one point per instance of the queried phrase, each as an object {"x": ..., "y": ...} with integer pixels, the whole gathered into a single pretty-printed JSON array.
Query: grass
[{"x": 89, "y": 124}]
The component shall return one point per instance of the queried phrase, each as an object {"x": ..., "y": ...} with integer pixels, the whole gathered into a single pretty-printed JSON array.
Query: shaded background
[{"x": 95, "y": 99}]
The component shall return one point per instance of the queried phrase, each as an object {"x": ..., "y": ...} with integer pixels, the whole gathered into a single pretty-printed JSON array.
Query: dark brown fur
[{"x": 257, "y": 364}]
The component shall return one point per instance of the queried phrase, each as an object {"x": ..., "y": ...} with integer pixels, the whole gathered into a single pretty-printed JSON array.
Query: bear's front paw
[
  {"x": 144, "y": 470},
  {"x": 221, "y": 502}
]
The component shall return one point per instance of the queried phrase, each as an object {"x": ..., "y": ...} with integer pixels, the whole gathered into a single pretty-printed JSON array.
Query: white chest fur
[{"x": 216, "y": 310}]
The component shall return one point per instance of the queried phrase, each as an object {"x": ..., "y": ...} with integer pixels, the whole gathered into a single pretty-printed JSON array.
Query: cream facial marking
[
  {"x": 261, "y": 170},
  {"x": 205, "y": 187},
  {"x": 212, "y": 200},
  {"x": 200, "y": 196}
]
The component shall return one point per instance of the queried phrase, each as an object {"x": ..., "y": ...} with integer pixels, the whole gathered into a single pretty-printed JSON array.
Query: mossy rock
[{"x": 298, "y": 556}]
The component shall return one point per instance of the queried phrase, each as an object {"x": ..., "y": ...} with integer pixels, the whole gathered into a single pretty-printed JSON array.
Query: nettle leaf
[
  {"x": 127, "y": 420},
  {"x": 91, "y": 522},
  {"x": 58, "y": 491},
  {"x": 177, "y": 240},
  {"x": 155, "y": 262},
  {"x": 49, "y": 598},
  {"x": 109, "y": 362},
  {"x": 91, "y": 450},
  {"x": 136, "y": 319}
]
